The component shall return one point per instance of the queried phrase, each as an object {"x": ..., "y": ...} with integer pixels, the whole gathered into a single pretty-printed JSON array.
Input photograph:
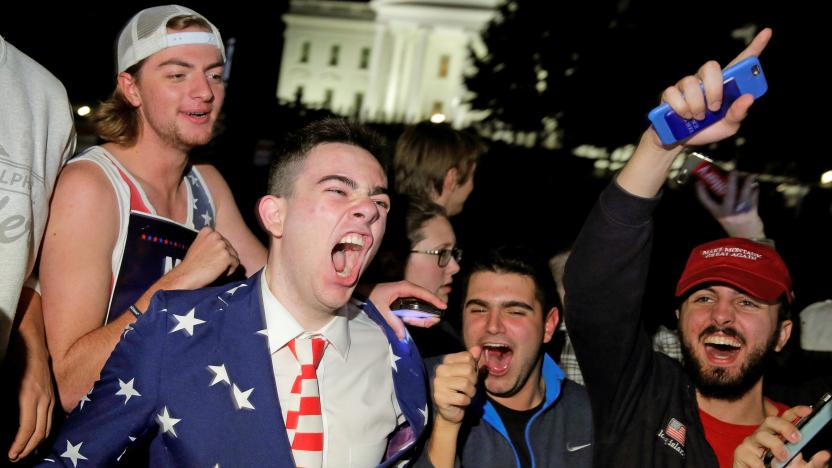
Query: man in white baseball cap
[{"x": 125, "y": 214}]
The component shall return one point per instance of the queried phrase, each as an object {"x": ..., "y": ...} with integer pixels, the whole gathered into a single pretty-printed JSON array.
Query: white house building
[{"x": 386, "y": 60}]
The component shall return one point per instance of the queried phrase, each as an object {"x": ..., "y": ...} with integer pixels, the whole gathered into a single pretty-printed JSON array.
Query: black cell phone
[
  {"x": 414, "y": 308},
  {"x": 808, "y": 426}
]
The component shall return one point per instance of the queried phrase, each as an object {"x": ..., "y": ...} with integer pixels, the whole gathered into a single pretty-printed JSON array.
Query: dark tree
[{"x": 598, "y": 67}]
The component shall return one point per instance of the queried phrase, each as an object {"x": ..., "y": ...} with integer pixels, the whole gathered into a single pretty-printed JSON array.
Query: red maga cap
[{"x": 749, "y": 266}]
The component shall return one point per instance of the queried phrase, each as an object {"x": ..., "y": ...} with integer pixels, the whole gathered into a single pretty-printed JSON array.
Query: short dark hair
[
  {"x": 522, "y": 261},
  {"x": 289, "y": 161},
  {"x": 425, "y": 152}
]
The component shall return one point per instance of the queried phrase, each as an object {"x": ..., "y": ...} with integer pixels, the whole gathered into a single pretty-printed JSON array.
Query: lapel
[
  {"x": 245, "y": 353},
  {"x": 410, "y": 384}
]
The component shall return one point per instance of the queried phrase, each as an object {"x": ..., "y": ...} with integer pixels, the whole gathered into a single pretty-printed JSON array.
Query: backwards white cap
[{"x": 146, "y": 33}]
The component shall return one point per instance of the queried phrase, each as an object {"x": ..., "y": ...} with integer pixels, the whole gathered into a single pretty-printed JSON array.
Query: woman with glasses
[
  {"x": 434, "y": 258},
  {"x": 420, "y": 246}
]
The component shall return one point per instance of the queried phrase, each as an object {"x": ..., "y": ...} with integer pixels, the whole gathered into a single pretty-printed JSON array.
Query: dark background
[{"x": 630, "y": 51}]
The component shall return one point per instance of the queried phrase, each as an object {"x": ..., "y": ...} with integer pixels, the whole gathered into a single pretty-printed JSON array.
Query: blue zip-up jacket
[{"x": 559, "y": 434}]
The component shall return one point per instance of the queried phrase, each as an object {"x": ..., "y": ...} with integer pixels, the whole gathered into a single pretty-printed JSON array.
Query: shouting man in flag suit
[
  {"x": 733, "y": 298},
  {"x": 283, "y": 369}
]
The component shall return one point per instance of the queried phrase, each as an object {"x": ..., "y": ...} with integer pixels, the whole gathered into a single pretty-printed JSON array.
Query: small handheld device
[
  {"x": 705, "y": 169},
  {"x": 808, "y": 426},
  {"x": 744, "y": 77},
  {"x": 414, "y": 308}
]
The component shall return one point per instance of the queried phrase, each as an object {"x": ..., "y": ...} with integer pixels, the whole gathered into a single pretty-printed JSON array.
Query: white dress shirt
[{"x": 355, "y": 381}]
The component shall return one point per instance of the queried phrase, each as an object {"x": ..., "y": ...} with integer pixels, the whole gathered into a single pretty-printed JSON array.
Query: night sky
[{"x": 75, "y": 41}]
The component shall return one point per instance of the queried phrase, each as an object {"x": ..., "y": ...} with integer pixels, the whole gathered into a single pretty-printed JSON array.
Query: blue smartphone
[{"x": 744, "y": 77}]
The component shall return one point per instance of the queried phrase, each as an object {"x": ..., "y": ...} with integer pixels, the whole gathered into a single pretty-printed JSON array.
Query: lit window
[
  {"x": 444, "y": 63},
  {"x": 437, "y": 107}
]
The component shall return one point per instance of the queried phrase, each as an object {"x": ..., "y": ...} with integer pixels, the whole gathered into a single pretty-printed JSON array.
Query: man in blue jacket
[
  {"x": 524, "y": 413},
  {"x": 219, "y": 376}
]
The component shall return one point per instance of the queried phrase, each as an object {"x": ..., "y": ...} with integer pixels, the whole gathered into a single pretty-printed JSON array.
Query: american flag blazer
[{"x": 193, "y": 377}]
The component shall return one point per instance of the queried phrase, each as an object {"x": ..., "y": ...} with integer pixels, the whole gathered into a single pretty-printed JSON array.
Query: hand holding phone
[
  {"x": 744, "y": 77},
  {"x": 808, "y": 426},
  {"x": 414, "y": 308}
]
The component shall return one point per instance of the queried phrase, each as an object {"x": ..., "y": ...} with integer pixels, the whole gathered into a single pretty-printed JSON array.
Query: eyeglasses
[{"x": 444, "y": 255}]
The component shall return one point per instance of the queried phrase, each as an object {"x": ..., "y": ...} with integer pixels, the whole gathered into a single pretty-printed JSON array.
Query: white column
[
  {"x": 377, "y": 83},
  {"x": 413, "y": 92},
  {"x": 394, "y": 77}
]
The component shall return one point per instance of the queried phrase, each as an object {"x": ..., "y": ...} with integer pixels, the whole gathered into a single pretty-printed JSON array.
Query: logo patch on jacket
[{"x": 672, "y": 434}]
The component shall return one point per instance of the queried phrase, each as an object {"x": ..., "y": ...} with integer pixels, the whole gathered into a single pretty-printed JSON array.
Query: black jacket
[{"x": 643, "y": 402}]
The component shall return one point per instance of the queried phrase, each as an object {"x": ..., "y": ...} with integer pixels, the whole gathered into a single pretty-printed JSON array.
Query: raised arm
[
  {"x": 647, "y": 169},
  {"x": 607, "y": 271},
  {"x": 737, "y": 211}
]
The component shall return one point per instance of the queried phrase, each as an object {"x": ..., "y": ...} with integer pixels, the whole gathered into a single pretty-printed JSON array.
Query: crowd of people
[{"x": 171, "y": 336}]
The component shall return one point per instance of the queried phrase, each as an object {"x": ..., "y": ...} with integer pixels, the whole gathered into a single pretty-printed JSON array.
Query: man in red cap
[
  {"x": 733, "y": 316},
  {"x": 733, "y": 312}
]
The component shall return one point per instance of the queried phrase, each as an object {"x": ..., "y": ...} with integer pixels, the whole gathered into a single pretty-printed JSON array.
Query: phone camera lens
[{"x": 755, "y": 70}]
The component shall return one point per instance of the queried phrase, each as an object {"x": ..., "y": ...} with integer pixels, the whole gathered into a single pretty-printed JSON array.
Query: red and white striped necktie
[{"x": 304, "y": 424}]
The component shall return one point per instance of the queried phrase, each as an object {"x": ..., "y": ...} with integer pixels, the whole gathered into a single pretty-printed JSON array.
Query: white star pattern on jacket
[
  {"x": 126, "y": 390},
  {"x": 73, "y": 452},
  {"x": 166, "y": 422},
  {"x": 393, "y": 358},
  {"x": 187, "y": 322},
  {"x": 235, "y": 288},
  {"x": 84, "y": 399},
  {"x": 241, "y": 397},
  {"x": 220, "y": 375}
]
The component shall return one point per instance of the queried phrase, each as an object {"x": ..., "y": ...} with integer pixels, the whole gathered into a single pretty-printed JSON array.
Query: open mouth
[
  {"x": 497, "y": 358},
  {"x": 197, "y": 116},
  {"x": 346, "y": 255},
  {"x": 721, "y": 349}
]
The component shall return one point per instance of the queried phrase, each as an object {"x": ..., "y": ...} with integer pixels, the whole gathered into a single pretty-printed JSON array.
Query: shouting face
[
  {"x": 503, "y": 316},
  {"x": 326, "y": 231},
  {"x": 727, "y": 336}
]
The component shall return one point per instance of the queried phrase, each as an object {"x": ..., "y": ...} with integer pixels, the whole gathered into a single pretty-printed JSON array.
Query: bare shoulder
[
  {"x": 84, "y": 179},
  {"x": 215, "y": 180},
  {"x": 84, "y": 197}
]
